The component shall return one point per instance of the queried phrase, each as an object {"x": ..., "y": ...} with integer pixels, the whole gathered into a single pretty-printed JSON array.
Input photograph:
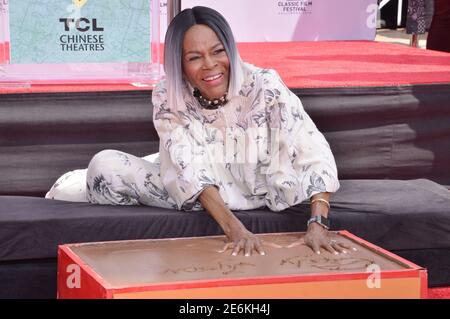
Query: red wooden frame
[{"x": 66, "y": 255}]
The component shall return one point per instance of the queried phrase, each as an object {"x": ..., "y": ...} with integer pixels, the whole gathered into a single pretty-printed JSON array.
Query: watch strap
[{"x": 321, "y": 220}]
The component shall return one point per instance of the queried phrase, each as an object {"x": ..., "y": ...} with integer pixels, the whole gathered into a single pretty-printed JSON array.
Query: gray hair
[{"x": 173, "y": 51}]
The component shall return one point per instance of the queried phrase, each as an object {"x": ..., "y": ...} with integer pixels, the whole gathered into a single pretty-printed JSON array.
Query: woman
[
  {"x": 418, "y": 19},
  {"x": 232, "y": 137}
]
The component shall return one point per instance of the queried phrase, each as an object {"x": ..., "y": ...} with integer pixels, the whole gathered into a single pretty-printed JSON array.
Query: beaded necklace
[{"x": 210, "y": 104}]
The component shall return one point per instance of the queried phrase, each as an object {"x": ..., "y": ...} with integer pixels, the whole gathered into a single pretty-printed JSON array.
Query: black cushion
[{"x": 397, "y": 215}]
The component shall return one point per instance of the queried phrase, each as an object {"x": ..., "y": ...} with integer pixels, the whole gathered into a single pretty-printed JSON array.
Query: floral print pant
[{"x": 117, "y": 178}]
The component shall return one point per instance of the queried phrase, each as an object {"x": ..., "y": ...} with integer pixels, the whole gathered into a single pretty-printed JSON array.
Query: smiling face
[{"x": 205, "y": 62}]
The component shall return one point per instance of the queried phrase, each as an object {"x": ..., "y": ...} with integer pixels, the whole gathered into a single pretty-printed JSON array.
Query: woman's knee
[
  {"x": 105, "y": 161},
  {"x": 100, "y": 177}
]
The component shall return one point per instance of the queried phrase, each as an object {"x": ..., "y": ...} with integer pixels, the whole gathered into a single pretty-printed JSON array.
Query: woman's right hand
[
  {"x": 242, "y": 239},
  {"x": 239, "y": 238}
]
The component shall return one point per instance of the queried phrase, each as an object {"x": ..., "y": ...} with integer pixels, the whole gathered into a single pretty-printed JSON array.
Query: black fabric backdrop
[{"x": 395, "y": 132}]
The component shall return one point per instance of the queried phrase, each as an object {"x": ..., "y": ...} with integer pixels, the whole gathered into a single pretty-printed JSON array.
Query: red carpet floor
[
  {"x": 322, "y": 65},
  {"x": 349, "y": 63},
  {"x": 439, "y": 293}
]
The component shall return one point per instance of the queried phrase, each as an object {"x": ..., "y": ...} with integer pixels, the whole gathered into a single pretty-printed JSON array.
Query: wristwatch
[{"x": 319, "y": 219}]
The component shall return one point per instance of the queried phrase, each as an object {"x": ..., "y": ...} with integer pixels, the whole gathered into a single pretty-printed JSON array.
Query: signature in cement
[
  {"x": 224, "y": 268},
  {"x": 327, "y": 263}
]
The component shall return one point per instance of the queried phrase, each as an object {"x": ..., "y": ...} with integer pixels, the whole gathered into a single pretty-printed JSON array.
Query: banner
[
  {"x": 79, "y": 31},
  {"x": 302, "y": 20}
]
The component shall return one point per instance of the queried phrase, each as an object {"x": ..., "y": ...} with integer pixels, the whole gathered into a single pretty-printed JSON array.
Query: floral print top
[{"x": 259, "y": 149}]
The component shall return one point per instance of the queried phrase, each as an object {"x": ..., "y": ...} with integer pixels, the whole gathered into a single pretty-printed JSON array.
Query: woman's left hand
[{"x": 318, "y": 237}]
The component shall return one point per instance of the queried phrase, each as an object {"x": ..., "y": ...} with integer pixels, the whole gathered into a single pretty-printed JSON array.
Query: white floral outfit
[{"x": 259, "y": 149}]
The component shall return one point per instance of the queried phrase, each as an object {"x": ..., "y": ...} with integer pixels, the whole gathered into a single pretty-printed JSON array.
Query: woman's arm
[
  {"x": 320, "y": 207},
  {"x": 236, "y": 232},
  {"x": 184, "y": 176},
  {"x": 316, "y": 235},
  {"x": 312, "y": 173}
]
